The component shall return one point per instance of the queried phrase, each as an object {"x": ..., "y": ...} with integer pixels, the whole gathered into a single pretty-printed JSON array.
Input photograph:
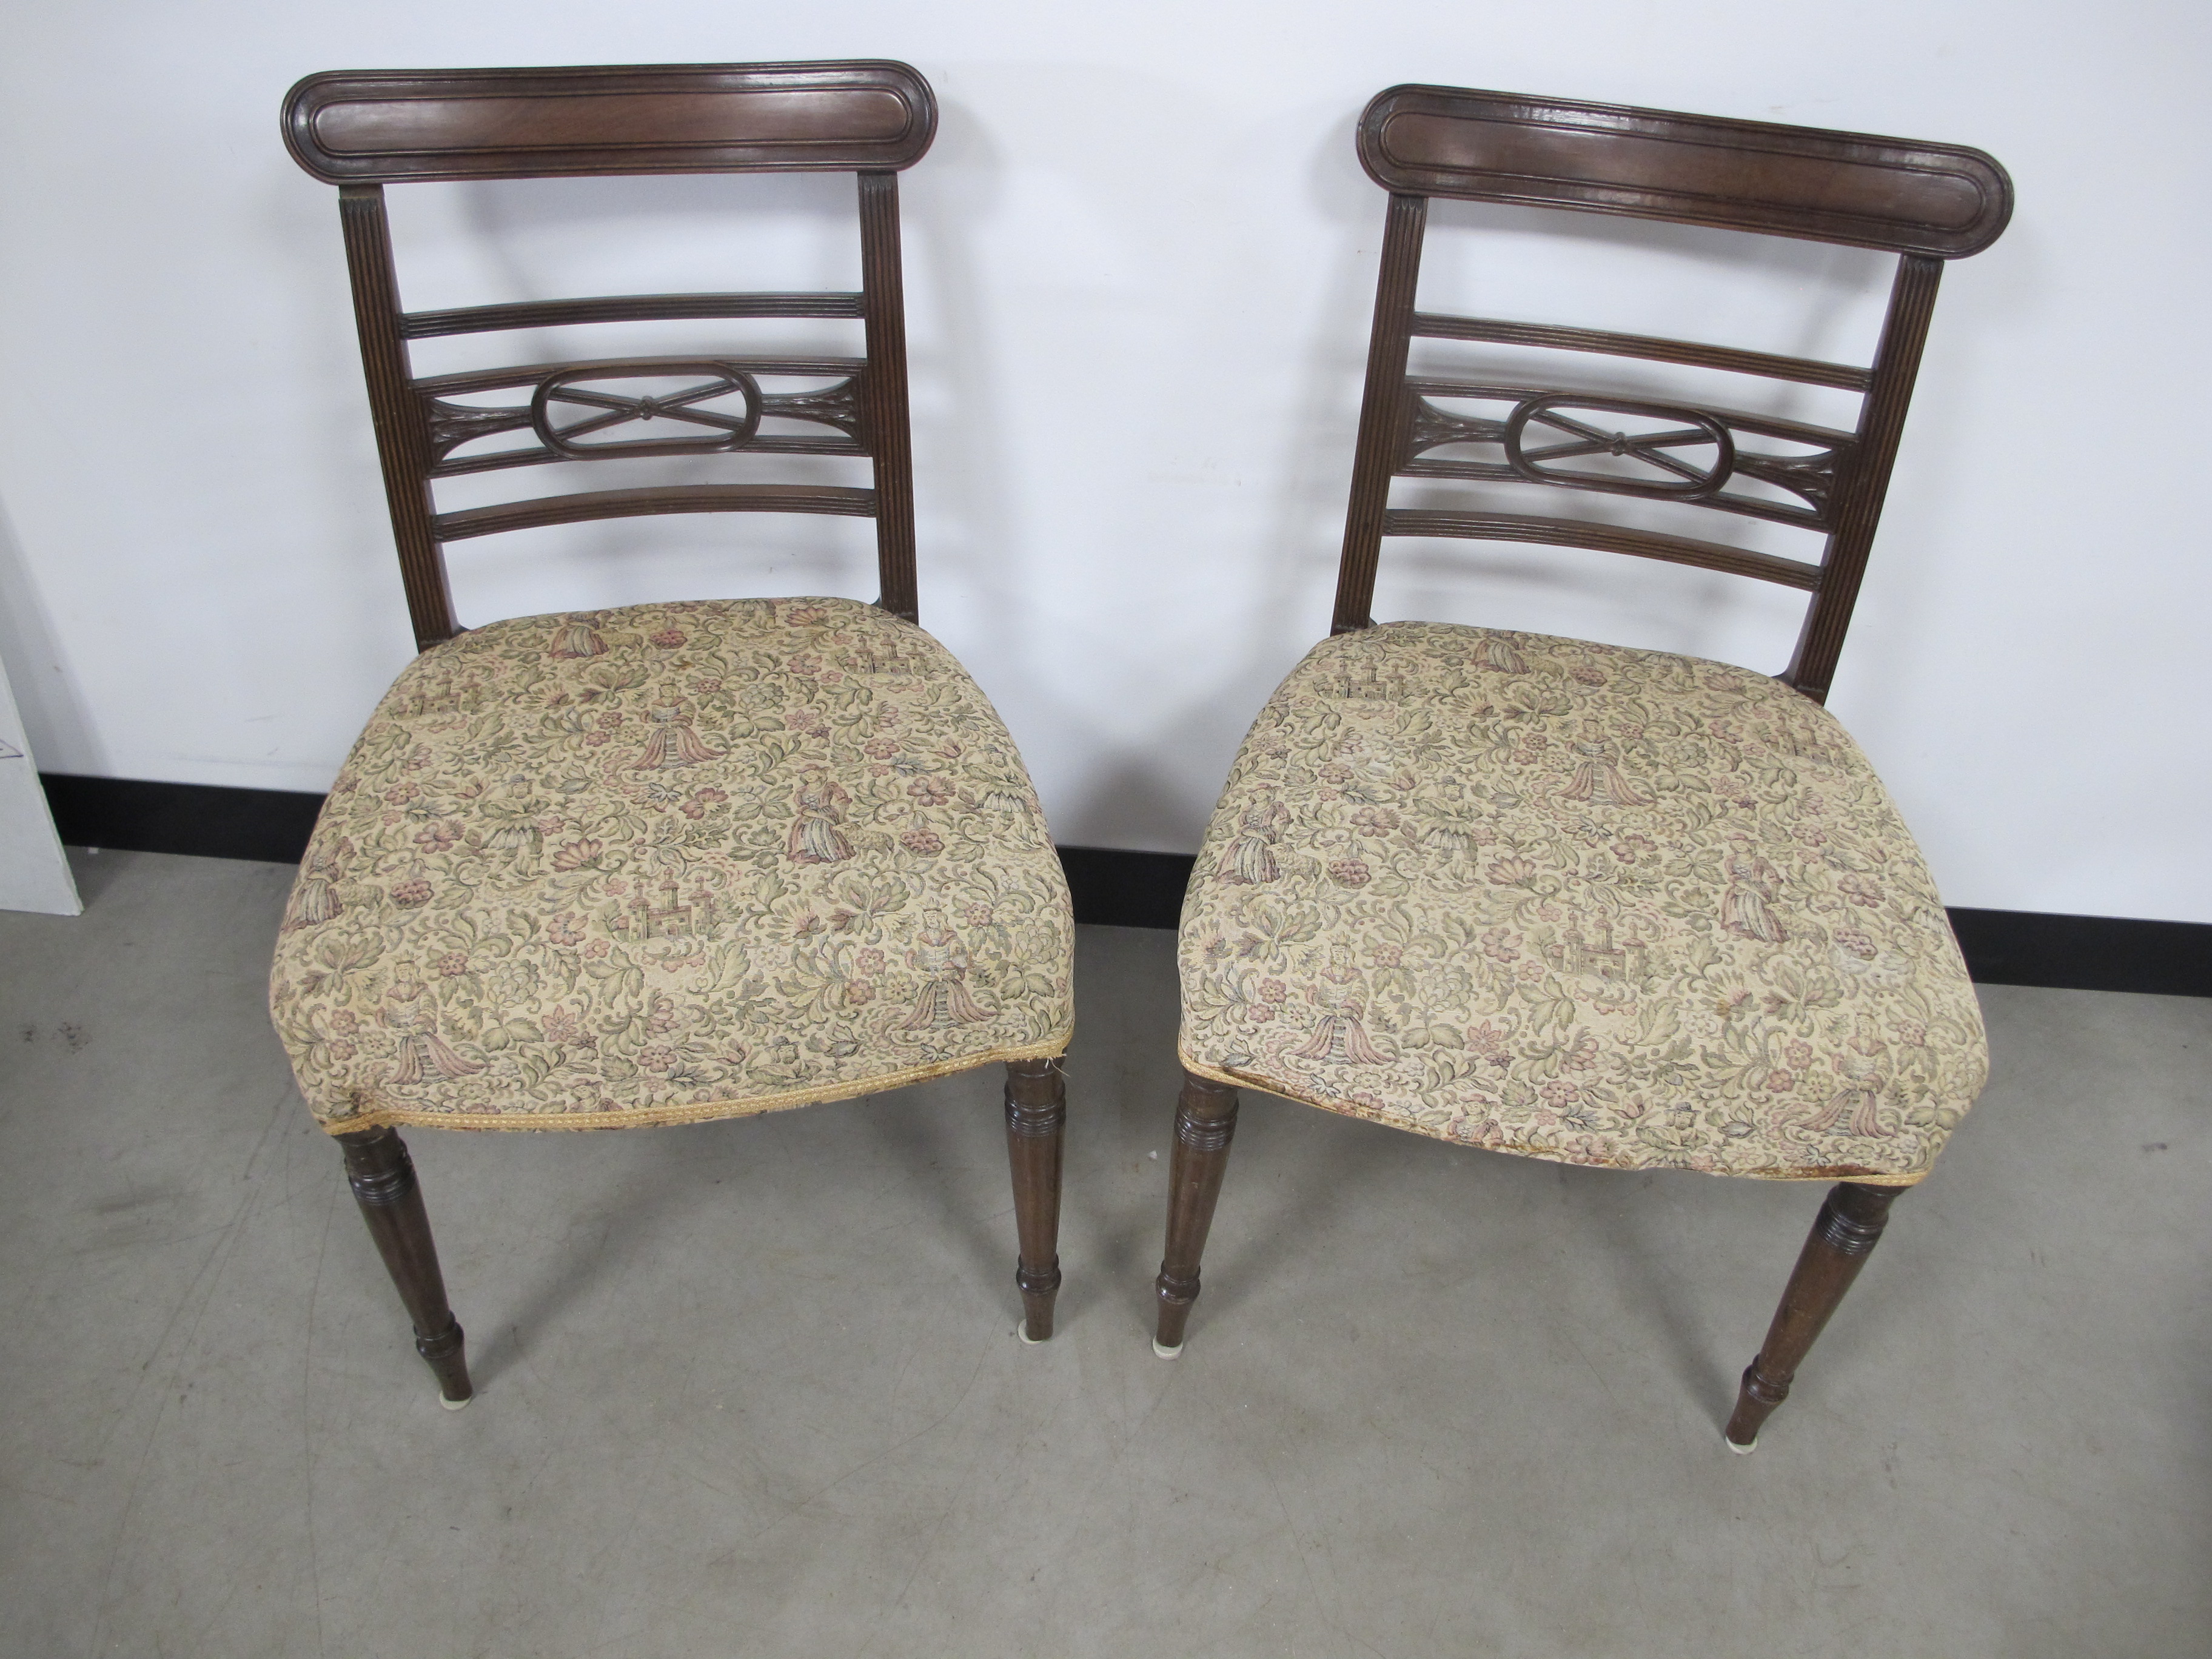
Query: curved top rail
[
  {"x": 1941, "y": 200},
  {"x": 405, "y": 126}
]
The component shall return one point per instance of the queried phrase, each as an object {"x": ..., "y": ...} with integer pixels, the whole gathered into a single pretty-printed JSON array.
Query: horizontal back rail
[
  {"x": 1941, "y": 200},
  {"x": 1806, "y": 370},
  {"x": 673, "y": 498},
  {"x": 502, "y": 460},
  {"x": 503, "y": 379},
  {"x": 1604, "y": 538},
  {"x": 390, "y": 126},
  {"x": 623, "y": 308}
]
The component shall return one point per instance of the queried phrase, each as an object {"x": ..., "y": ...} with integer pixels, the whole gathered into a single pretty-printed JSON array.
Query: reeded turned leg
[
  {"x": 383, "y": 1180},
  {"x": 1036, "y": 1126},
  {"x": 1205, "y": 1123},
  {"x": 1847, "y": 1229}
]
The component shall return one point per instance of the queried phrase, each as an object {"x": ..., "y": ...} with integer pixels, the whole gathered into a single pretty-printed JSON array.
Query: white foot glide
[
  {"x": 453, "y": 1404},
  {"x": 1740, "y": 1451},
  {"x": 1166, "y": 1353},
  {"x": 1022, "y": 1330}
]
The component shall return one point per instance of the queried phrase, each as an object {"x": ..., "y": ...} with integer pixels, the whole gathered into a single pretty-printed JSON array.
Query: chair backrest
[
  {"x": 1925, "y": 202},
  {"x": 361, "y": 130}
]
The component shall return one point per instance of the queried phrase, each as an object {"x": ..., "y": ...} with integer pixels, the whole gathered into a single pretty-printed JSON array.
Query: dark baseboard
[
  {"x": 1135, "y": 889},
  {"x": 1126, "y": 889},
  {"x": 2085, "y": 953},
  {"x": 204, "y": 819}
]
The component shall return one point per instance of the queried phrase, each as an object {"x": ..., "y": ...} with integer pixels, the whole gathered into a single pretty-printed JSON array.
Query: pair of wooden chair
[{"x": 675, "y": 862}]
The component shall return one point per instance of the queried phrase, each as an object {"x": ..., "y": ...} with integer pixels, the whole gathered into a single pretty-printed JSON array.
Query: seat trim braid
[
  {"x": 1236, "y": 1079},
  {"x": 651, "y": 1118}
]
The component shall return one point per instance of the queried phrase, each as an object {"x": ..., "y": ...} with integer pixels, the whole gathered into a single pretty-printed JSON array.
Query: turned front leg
[
  {"x": 1036, "y": 1126},
  {"x": 1846, "y": 1231},
  {"x": 382, "y": 1177},
  {"x": 1205, "y": 1123}
]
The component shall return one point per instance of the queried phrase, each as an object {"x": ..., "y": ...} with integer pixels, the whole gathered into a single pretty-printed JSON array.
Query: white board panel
[{"x": 34, "y": 874}]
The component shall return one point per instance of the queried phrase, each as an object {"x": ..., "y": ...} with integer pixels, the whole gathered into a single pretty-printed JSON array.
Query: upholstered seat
[
  {"x": 667, "y": 863},
  {"x": 1593, "y": 905}
]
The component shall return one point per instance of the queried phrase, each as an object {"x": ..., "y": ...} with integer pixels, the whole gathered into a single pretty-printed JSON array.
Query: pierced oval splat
[
  {"x": 712, "y": 430},
  {"x": 1665, "y": 472}
]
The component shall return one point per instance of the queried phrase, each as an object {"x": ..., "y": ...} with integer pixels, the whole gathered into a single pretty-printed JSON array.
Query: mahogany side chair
[
  {"x": 668, "y": 862},
  {"x": 1567, "y": 901}
]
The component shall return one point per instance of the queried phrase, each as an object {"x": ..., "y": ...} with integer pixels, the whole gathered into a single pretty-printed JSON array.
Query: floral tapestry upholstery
[
  {"x": 669, "y": 863},
  {"x": 1581, "y": 903}
]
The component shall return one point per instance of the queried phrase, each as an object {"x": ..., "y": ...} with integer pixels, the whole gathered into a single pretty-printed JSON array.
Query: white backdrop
[{"x": 1140, "y": 261}]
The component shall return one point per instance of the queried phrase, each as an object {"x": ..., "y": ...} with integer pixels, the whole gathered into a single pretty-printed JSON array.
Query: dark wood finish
[
  {"x": 675, "y": 498},
  {"x": 403, "y": 436},
  {"x": 1540, "y": 432},
  {"x": 533, "y": 375},
  {"x": 420, "y": 124},
  {"x": 883, "y": 392},
  {"x": 1844, "y": 1233},
  {"x": 1925, "y": 202},
  {"x": 1383, "y": 411},
  {"x": 1882, "y": 424},
  {"x": 382, "y": 1177},
  {"x": 363, "y": 129},
  {"x": 1205, "y": 1123},
  {"x": 1606, "y": 537},
  {"x": 1944, "y": 200},
  {"x": 623, "y": 308},
  {"x": 834, "y": 407},
  {"x": 1432, "y": 326},
  {"x": 1037, "y": 1130}
]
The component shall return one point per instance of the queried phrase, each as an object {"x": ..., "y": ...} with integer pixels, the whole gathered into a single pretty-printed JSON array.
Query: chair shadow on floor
[
  {"x": 1618, "y": 1220},
  {"x": 901, "y": 1132},
  {"x": 1624, "y": 1227},
  {"x": 937, "y": 1159},
  {"x": 1303, "y": 1201},
  {"x": 631, "y": 1215}
]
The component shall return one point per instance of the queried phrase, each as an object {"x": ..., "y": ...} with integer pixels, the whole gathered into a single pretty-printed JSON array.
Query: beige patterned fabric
[
  {"x": 1580, "y": 903},
  {"x": 669, "y": 863}
]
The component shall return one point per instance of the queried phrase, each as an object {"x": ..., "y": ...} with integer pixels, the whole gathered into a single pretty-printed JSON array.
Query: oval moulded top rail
[
  {"x": 1942, "y": 200},
  {"x": 382, "y": 126}
]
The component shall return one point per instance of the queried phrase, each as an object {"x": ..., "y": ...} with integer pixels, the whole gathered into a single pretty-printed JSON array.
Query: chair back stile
[
  {"x": 1925, "y": 202},
  {"x": 361, "y": 130}
]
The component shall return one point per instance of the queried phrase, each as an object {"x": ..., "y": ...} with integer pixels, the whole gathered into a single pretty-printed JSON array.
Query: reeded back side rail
[
  {"x": 1925, "y": 202},
  {"x": 361, "y": 130}
]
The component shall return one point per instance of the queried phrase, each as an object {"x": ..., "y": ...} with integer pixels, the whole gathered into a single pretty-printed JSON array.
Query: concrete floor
[{"x": 753, "y": 1388}]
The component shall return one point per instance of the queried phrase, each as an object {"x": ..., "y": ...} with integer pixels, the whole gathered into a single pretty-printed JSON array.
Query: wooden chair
[
  {"x": 669, "y": 862},
  {"x": 1571, "y": 902}
]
